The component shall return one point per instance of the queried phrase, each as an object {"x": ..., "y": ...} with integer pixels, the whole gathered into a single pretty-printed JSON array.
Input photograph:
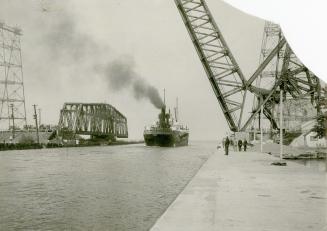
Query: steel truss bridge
[
  {"x": 231, "y": 87},
  {"x": 94, "y": 119}
]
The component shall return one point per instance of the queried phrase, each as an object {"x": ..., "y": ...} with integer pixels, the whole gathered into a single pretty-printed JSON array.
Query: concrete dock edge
[{"x": 243, "y": 191}]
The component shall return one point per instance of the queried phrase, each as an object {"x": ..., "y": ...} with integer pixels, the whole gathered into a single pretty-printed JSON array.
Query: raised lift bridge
[
  {"x": 230, "y": 85},
  {"x": 98, "y": 120}
]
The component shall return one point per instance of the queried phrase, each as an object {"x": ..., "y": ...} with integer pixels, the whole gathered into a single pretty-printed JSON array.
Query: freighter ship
[{"x": 167, "y": 132}]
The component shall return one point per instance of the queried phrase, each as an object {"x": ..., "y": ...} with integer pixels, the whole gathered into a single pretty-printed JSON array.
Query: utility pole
[
  {"x": 13, "y": 120},
  {"x": 39, "y": 116},
  {"x": 281, "y": 123},
  {"x": 281, "y": 128},
  {"x": 36, "y": 124},
  {"x": 261, "y": 135},
  {"x": 177, "y": 111}
]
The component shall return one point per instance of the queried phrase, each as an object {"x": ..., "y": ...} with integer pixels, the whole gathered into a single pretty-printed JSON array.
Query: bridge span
[{"x": 99, "y": 120}]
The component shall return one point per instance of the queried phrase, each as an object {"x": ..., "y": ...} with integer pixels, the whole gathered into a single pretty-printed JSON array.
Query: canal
[{"x": 94, "y": 188}]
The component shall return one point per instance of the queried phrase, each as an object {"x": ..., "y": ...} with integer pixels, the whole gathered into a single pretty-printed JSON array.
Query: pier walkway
[{"x": 243, "y": 192}]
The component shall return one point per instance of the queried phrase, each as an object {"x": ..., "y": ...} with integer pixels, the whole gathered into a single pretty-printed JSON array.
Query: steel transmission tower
[{"x": 12, "y": 98}]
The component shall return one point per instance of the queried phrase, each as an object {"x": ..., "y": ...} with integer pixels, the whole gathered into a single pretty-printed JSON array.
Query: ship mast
[
  {"x": 176, "y": 111},
  {"x": 164, "y": 97}
]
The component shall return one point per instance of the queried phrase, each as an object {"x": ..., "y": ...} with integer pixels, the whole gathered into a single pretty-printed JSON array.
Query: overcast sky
[{"x": 65, "y": 44}]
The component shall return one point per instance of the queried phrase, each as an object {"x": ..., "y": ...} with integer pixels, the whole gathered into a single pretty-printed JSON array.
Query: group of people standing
[{"x": 227, "y": 142}]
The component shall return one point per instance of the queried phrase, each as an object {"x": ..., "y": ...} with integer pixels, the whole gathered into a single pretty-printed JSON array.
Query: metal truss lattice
[
  {"x": 97, "y": 119},
  {"x": 225, "y": 76},
  {"x": 279, "y": 68},
  {"x": 298, "y": 82},
  {"x": 12, "y": 98}
]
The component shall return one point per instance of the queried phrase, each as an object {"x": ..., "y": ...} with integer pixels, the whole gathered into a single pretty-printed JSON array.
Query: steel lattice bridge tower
[
  {"x": 229, "y": 84},
  {"x": 98, "y": 120},
  {"x": 302, "y": 85},
  {"x": 12, "y": 98}
]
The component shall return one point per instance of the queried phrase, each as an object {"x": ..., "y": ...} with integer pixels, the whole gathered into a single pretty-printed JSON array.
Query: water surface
[{"x": 94, "y": 188}]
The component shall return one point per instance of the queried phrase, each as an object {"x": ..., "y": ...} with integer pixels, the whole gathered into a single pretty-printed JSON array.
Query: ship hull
[{"x": 173, "y": 139}]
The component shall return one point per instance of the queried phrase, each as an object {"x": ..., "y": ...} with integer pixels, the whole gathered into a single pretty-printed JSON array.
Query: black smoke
[
  {"x": 120, "y": 74},
  {"x": 67, "y": 44}
]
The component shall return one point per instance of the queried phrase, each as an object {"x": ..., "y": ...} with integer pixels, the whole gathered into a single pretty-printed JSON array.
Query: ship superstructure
[{"x": 166, "y": 132}]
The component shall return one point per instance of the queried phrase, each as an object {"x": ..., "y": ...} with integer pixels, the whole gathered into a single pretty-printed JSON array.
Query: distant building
[
  {"x": 308, "y": 138},
  {"x": 296, "y": 113}
]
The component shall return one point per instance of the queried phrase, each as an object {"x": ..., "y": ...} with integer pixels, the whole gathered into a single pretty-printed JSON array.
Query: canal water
[
  {"x": 319, "y": 165},
  {"x": 94, "y": 188}
]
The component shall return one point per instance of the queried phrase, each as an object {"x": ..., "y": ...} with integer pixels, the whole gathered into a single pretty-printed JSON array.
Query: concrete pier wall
[{"x": 243, "y": 191}]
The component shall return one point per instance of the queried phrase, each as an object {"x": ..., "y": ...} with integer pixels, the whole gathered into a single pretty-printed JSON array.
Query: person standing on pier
[
  {"x": 245, "y": 143},
  {"x": 222, "y": 143},
  {"x": 239, "y": 145},
  {"x": 226, "y": 144}
]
